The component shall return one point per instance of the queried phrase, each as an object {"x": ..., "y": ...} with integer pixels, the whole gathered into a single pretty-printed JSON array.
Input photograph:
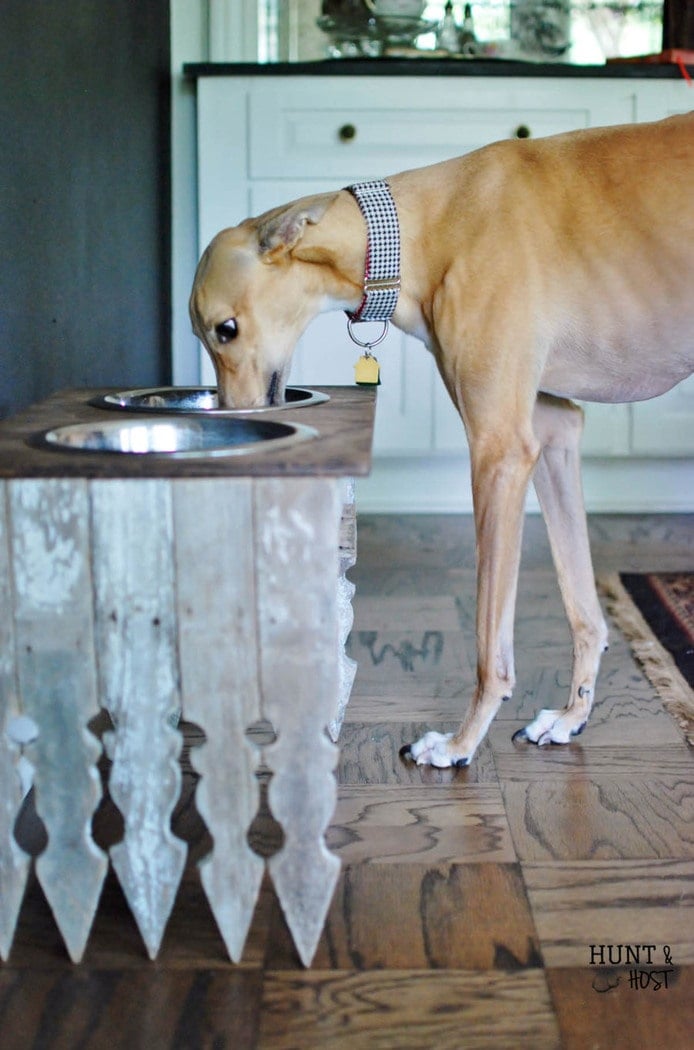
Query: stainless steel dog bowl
[
  {"x": 176, "y": 437},
  {"x": 195, "y": 399}
]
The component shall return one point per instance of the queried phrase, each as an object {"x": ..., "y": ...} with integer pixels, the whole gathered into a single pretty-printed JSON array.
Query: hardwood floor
[{"x": 471, "y": 902}]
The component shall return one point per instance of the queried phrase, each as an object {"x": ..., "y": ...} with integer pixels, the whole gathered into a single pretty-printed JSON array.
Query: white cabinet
[
  {"x": 266, "y": 140},
  {"x": 664, "y": 426}
]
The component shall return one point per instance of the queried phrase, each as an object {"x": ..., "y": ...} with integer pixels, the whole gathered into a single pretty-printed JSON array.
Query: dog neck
[
  {"x": 336, "y": 248},
  {"x": 382, "y": 263}
]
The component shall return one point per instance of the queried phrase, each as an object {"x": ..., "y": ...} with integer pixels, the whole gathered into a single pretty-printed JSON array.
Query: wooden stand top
[{"x": 342, "y": 448}]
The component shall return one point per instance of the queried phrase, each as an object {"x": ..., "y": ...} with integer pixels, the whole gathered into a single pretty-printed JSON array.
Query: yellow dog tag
[{"x": 367, "y": 371}]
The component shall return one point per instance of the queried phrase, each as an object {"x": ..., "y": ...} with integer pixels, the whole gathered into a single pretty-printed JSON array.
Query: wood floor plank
[
  {"x": 601, "y": 818},
  {"x": 408, "y": 614},
  {"x": 370, "y": 754},
  {"x": 155, "y": 1009},
  {"x": 413, "y": 916},
  {"x": 419, "y": 663},
  {"x": 407, "y": 1010},
  {"x": 626, "y": 1016},
  {"x": 627, "y": 710},
  {"x": 523, "y": 761},
  {"x": 577, "y": 904},
  {"x": 464, "y": 823},
  {"x": 400, "y": 707}
]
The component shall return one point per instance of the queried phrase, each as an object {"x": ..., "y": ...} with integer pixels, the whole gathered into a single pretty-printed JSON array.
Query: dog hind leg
[{"x": 558, "y": 426}]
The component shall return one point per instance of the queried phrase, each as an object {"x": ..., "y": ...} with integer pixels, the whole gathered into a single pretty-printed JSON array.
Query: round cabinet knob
[
  {"x": 347, "y": 133},
  {"x": 523, "y": 132}
]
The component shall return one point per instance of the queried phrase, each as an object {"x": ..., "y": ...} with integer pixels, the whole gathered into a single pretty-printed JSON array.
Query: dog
[{"x": 535, "y": 271}]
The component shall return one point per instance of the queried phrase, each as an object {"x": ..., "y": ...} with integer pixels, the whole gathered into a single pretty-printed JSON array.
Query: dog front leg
[
  {"x": 558, "y": 425},
  {"x": 502, "y": 463}
]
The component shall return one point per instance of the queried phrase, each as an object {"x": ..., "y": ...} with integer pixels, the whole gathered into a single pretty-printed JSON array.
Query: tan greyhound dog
[{"x": 534, "y": 271}]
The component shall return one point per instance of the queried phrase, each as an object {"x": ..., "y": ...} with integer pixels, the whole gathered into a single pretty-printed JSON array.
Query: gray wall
[{"x": 84, "y": 196}]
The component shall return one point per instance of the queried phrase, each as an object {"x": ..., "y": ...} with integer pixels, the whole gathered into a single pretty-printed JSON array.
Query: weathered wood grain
[
  {"x": 56, "y": 671},
  {"x": 420, "y": 916},
  {"x": 14, "y": 862},
  {"x": 520, "y": 761},
  {"x": 153, "y": 1009},
  {"x": 297, "y": 539},
  {"x": 347, "y": 667},
  {"x": 132, "y": 525},
  {"x": 576, "y": 904},
  {"x": 601, "y": 818},
  {"x": 381, "y": 824},
  {"x": 409, "y": 1010},
  {"x": 370, "y": 754},
  {"x": 218, "y": 643},
  {"x": 623, "y": 1017}
]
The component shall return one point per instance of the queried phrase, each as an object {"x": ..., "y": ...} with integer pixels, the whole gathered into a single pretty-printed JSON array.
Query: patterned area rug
[{"x": 655, "y": 612}]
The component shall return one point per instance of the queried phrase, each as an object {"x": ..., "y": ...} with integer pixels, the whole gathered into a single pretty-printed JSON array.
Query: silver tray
[
  {"x": 198, "y": 399},
  {"x": 176, "y": 438}
]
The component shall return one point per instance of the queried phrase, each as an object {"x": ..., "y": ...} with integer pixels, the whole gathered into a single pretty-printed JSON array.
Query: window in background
[
  {"x": 582, "y": 31},
  {"x": 598, "y": 29}
]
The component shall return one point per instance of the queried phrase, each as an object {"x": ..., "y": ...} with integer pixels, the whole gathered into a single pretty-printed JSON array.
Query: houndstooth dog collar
[{"x": 382, "y": 267}]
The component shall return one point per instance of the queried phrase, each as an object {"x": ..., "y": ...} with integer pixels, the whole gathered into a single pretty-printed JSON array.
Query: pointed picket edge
[
  {"x": 149, "y": 866},
  {"x": 14, "y": 862},
  {"x": 219, "y": 679},
  {"x": 297, "y": 539},
  {"x": 135, "y": 630},
  {"x": 304, "y": 872},
  {"x": 56, "y": 675}
]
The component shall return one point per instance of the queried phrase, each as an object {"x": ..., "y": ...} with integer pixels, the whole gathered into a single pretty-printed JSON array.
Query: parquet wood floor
[{"x": 469, "y": 899}]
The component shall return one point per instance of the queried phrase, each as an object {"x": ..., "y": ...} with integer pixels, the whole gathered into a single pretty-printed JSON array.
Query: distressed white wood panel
[
  {"x": 297, "y": 541},
  {"x": 14, "y": 862},
  {"x": 132, "y": 524},
  {"x": 219, "y": 678},
  {"x": 347, "y": 667},
  {"x": 55, "y": 662}
]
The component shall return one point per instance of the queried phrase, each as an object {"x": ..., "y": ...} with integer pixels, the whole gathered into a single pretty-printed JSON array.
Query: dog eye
[{"x": 227, "y": 330}]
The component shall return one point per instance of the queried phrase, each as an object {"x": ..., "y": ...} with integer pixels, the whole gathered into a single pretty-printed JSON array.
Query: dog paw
[
  {"x": 433, "y": 749},
  {"x": 551, "y": 727}
]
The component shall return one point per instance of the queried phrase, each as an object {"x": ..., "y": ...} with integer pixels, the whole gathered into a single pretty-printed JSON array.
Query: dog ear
[{"x": 281, "y": 230}]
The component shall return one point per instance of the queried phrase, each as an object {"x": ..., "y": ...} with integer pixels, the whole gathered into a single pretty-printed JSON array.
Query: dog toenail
[
  {"x": 520, "y": 734},
  {"x": 461, "y": 763},
  {"x": 406, "y": 751},
  {"x": 577, "y": 732}
]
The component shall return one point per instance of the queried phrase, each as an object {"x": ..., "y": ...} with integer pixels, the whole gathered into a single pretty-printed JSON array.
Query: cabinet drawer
[{"x": 344, "y": 136}]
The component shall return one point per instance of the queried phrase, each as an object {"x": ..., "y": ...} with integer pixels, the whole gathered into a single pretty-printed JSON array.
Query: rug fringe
[{"x": 658, "y": 665}]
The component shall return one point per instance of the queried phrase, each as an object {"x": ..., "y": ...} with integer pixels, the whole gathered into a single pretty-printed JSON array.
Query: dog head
[{"x": 252, "y": 298}]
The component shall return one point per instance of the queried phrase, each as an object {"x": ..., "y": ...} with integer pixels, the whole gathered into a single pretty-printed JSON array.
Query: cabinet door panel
[
  {"x": 606, "y": 431},
  {"x": 665, "y": 425},
  {"x": 606, "y": 427},
  {"x": 658, "y": 99}
]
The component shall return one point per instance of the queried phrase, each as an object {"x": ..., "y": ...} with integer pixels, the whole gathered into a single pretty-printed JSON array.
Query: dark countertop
[
  {"x": 343, "y": 447},
  {"x": 431, "y": 67}
]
